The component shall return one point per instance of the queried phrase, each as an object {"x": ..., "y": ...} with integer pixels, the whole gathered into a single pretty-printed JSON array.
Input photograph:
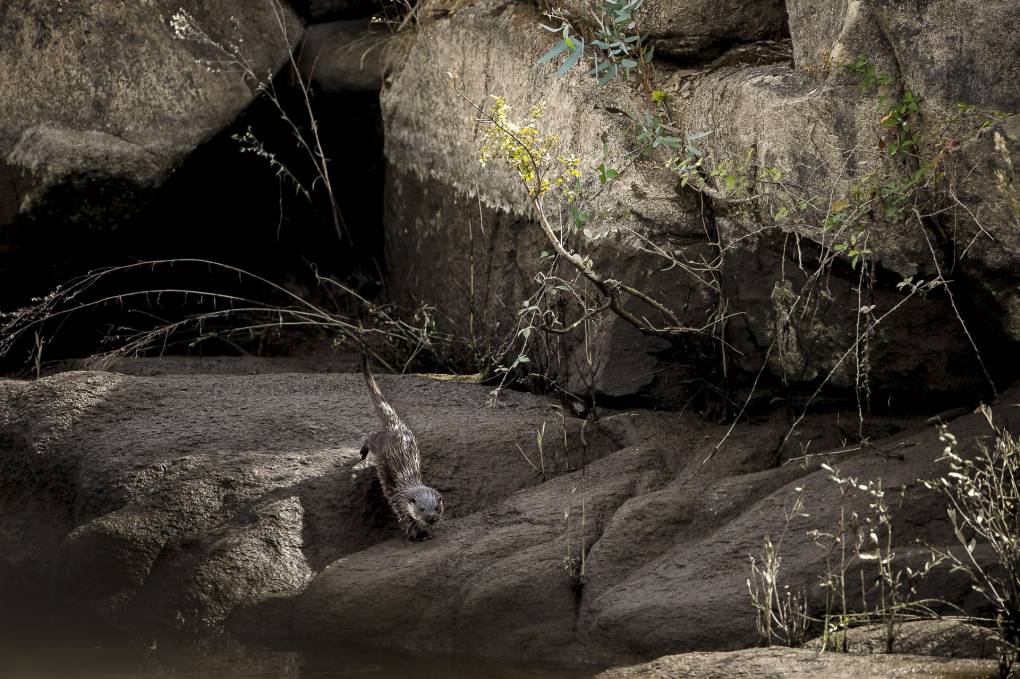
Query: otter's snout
[{"x": 431, "y": 518}]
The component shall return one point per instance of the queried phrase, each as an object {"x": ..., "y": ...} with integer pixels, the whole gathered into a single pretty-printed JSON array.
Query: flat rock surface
[
  {"x": 793, "y": 663},
  {"x": 175, "y": 498},
  {"x": 184, "y": 502}
]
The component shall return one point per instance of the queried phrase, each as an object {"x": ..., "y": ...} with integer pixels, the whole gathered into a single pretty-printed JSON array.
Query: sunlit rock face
[{"x": 462, "y": 238}]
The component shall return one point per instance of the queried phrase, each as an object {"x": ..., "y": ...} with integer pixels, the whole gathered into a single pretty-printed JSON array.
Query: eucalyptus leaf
[
  {"x": 574, "y": 57},
  {"x": 557, "y": 48}
]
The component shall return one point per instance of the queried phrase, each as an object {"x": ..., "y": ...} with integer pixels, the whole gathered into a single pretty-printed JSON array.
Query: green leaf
[
  {"x": 606, "y": 174},
  {"x": 574, "y": 57},
  {"x": 579, "y": 217},
  {"x": 557, "y": 48}
]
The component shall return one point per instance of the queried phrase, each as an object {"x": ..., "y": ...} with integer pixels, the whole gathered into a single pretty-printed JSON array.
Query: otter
[{"x": 398, "y": 466}]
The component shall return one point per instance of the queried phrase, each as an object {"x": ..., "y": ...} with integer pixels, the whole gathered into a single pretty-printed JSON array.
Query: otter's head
[{"x": 424, "y": 505}]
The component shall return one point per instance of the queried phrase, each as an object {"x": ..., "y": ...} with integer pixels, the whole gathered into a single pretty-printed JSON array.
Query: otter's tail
[{"x": 383, "y": 409}]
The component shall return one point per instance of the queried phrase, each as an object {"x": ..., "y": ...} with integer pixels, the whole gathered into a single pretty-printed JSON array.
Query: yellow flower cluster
[{"x": 530, "y": 154}]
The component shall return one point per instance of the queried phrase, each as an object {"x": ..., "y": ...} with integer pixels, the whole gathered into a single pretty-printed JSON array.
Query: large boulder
[
  {"x": 516, "y": 580},
  {"x": 638, "y": 553},
  {"x": 172, "y": 500},
  {"x": 644, "y": 550},
  {"x": 462, "y": 239},
  {"x": 99, "y": 120},
  {"x": 186, "y": 502},
  {"x": 946, "y": 53},
  {"x": 821, "y": 139}
]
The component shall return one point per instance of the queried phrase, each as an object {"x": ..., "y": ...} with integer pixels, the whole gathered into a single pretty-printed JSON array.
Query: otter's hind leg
[{"x": 371, "y": 444}]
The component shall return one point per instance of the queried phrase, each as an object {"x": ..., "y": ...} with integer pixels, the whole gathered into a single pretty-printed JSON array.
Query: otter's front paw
[{"x": 416, "y": 534}]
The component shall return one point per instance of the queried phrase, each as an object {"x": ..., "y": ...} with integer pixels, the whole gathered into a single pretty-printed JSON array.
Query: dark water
[{"x": 142, "y": 662}]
